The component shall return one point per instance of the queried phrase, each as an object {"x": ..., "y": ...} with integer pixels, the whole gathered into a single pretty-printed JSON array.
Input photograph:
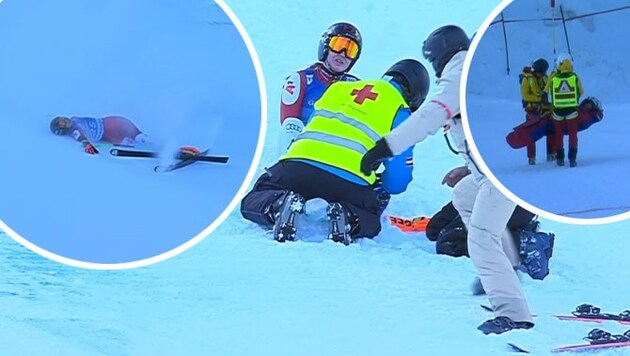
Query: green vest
[
  {"x": 346, "y": 122},
  {"x": 564, "y": 90}
]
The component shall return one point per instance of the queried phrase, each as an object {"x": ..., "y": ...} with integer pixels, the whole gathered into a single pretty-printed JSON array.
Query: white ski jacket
[{"x": 436, "y": 114}]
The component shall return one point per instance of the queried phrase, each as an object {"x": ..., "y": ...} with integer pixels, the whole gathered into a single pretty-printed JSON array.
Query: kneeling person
[{"x": 324, "y": 160}]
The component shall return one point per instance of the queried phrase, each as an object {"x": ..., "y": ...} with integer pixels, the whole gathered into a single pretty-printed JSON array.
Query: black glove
[
  {"x": 90, "y": 149},
  {"x": 373, "y": 158}
]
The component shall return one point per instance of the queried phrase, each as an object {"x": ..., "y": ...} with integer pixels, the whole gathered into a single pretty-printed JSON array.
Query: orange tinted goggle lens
[{"x": 338, "y": 44}]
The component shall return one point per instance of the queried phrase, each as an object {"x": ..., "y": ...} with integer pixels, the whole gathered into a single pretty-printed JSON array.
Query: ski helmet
[
  {"x": 540, "y": 66},
  {"x": 342, "y": 29},
  {"x": 563, "y": 57},
  {"x": 442, "y": 44},
  {"x": 60, "y": 125},
  {"x": 413, "y": 77}
]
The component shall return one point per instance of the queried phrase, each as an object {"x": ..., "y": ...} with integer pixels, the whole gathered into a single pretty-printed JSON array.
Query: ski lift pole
[
  {"x": 553, "y": 25},
  {"x": 566, "y": 35},
  {"x": 507, "y": 53}
]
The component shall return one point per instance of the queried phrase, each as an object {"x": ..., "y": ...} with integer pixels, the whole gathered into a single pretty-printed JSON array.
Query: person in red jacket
[{"x": 339, "y": 49}]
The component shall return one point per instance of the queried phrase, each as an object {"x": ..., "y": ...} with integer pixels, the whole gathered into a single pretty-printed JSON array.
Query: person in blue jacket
[{"x": 324, "y": 159}]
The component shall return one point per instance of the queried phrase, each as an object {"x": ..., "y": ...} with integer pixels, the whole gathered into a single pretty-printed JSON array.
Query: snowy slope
[
  {"x": 239, "y": 293},
  {"x": 166, "y": 67},
  {"x": 593, "y": 189}
]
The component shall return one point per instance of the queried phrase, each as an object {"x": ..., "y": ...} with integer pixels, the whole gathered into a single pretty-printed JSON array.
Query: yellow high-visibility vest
[
  {"x": 564, "y": 92},
  {"x": 346, "y": 122}
]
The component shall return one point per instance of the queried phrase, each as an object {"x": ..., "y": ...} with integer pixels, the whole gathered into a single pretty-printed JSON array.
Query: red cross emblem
[{"x": 365, "y": 93}]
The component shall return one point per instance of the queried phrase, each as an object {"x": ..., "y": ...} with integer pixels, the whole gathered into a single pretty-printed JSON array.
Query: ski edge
[
  {"x": 589, "y": 320},
  {"x": 590, "y": 346}
]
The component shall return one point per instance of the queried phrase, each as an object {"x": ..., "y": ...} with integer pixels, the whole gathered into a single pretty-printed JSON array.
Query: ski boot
[
  {"x": 502, "y": 324},
  {"x": 535, "y": 249},
  {"x": 560, "y": 157},
  {"x": 551, "y": 157},
  {"x": 143, "y": 140},
  {"x": 339, "y": 223},
  {"x": 284, "y": 228},
  {"x": 271, "y": 211},
  {"x": 572, "y": 157},
  {"x": 532, "y": 161}
]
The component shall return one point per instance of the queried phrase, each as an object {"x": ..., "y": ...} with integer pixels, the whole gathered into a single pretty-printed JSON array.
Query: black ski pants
[{"x": 312, "y": 182}]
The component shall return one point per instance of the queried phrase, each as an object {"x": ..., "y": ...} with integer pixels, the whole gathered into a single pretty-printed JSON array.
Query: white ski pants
[{"x": 485, "y": 212}]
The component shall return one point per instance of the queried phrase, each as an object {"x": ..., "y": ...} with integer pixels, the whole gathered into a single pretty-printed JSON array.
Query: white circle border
[
  {"x": 219, "y": 220},
  {"x": 479, "y": 159}
]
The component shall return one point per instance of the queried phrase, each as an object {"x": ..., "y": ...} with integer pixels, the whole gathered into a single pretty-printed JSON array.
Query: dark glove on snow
[
  {"x": 90, "y": 149},
  {"x": 373, "y": 158}
]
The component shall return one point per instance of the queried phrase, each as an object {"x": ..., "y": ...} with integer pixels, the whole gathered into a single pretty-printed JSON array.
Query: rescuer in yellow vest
[
  {"x": 533, "y": 80},
  {"x": 565, "y": 89},
  {"x": 324, "y": 160}
]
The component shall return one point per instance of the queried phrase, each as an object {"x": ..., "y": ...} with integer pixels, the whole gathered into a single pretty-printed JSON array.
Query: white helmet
[{"x": 563, "y": 57}]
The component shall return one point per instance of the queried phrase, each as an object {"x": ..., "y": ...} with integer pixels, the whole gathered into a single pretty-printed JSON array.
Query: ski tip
[
  {"x": 516, "y": 348},
  {"x": 113, "y": 151}
]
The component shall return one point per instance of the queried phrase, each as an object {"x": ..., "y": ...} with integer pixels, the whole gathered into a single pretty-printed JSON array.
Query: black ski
[
  {"x": 517, "y": 348},
  {"x": 202, "y": 157},
  {"x": 122, "y": 152}
]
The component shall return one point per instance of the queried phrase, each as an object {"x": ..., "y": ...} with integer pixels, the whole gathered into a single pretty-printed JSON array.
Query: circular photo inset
[
  {"x": 128, "y": 129},
  {"x": 545, "y": 96}
]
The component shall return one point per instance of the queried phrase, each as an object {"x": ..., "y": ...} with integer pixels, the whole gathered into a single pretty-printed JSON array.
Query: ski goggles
[{"x": 339, "y": 44}]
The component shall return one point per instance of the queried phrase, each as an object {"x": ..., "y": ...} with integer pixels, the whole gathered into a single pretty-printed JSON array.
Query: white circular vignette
[
  {"x": 219, "y": 220},
  {"x": 479, "y": 159}
]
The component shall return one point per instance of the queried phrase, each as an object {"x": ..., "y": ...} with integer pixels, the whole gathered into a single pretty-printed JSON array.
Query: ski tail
[
  {"x": 122, "y": 152},
  {"x": 517, "y": 348}
]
